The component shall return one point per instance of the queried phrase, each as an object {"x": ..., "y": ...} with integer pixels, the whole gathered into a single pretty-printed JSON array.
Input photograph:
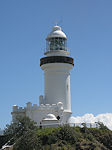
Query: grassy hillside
[{"x": 28, "y": 137}]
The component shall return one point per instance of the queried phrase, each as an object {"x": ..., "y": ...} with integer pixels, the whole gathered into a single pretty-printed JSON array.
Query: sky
[{"x": 24, "y": 25}]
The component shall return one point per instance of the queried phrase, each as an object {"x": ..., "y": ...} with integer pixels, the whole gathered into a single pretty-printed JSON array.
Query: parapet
[
  {"x": 18, "y": 109},
  {"x": 58, "y": 106},
  {"x": 30, "y": 107}
]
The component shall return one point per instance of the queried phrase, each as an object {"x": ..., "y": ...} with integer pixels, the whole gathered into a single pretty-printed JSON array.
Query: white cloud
[{"x": 106, "y": 119}]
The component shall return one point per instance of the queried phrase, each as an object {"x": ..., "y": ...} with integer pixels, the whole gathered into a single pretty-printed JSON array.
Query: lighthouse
[
  {"x": 56, "y": 66},
  {"x": 55, "y": 105}
]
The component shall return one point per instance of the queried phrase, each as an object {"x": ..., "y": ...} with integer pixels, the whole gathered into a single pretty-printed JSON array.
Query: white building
[{"x": 55, "y": 105}]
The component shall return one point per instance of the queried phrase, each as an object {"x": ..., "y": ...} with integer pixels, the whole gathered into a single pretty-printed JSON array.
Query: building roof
[
  {"x": 56, "y": 32},
  {"x": 50, "y": 117}
]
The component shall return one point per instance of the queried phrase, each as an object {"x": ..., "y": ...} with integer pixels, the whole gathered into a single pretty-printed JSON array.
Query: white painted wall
[{"x": 57, "y": 84}]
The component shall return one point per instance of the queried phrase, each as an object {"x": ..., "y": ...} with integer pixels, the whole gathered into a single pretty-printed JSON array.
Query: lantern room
[{"x": 56, "y": 40}]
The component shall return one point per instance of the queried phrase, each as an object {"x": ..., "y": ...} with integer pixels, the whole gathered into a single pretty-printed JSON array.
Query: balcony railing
[{"x": 56, "y": 59}]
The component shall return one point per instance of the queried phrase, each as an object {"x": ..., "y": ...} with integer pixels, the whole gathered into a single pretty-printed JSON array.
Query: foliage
[
  {"x": 102, "y": 126},
  {"x": 28, "y": 141},
  {"x": 67, "y": 134},
  {"x": 103, "y": 136},
  {"x": 22, "y": 125},
  {"x": 26, "y": 136},
  {"x": 19, "y": 128},
  {"x": 3, "y": 140}
]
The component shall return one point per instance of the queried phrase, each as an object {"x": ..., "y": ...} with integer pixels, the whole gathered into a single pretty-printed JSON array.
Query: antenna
[{"x": 58, "y": 22}]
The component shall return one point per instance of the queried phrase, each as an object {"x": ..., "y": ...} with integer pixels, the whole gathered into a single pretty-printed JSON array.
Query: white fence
[{"x": 55, "y": 125}]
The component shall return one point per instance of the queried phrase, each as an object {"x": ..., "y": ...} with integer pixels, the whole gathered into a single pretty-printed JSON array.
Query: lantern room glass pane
[{"x": 56, "y": 44}]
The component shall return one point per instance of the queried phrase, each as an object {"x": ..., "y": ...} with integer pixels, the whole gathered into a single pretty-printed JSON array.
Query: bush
[
  {"x": 67, "y": 134},
  {"x": 28, "y": 141}
]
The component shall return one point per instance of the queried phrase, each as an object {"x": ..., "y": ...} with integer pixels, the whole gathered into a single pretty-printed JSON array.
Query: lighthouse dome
[
  {"x": 50, "y": 117},
  {"x": 56, "y": 32}
]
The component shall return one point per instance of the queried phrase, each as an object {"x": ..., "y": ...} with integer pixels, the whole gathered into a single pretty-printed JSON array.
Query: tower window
[{"x": 56, "y": 43}]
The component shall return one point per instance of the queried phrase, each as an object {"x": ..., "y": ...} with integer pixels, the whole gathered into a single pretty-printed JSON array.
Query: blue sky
[{"x": 24, "y": 25}]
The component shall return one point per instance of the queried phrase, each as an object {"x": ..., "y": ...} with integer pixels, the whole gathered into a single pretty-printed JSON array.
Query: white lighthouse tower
[
  {"x": 55, "y": 106},
  {"x": 57, "y": 66}
]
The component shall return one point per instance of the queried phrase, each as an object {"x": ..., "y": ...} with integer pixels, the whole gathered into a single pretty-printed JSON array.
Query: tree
[
  {"x": 102, "y": 126},
  {"x": 67, "y": 134},
  {"x": 19, "y": 128},
  {"x": 28, "y": 141}
]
